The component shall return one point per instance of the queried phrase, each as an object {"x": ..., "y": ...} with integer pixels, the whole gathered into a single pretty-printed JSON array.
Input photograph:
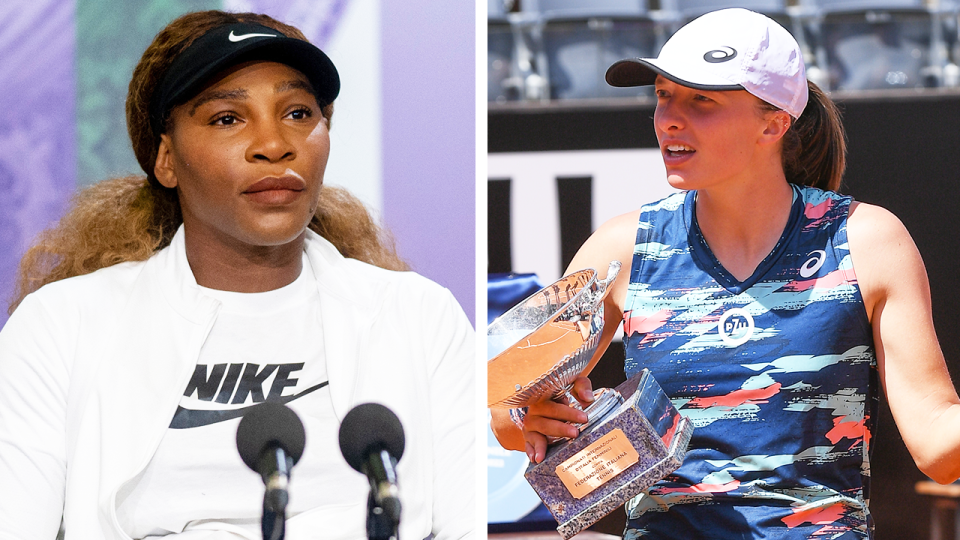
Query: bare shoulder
[
  {"x": 874, "y": 231},
  {"x": 872, "y": 223},
  {"x": 885, "y": 257}
]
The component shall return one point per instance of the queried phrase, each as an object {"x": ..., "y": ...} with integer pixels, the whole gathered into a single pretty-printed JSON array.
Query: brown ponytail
[{"x": 815, "y": 146}]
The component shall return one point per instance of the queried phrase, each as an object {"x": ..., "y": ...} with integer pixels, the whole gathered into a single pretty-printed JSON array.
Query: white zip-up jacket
[{"x": 92, "y": 369}]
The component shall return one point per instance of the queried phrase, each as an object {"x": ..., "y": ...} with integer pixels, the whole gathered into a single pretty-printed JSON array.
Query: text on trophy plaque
[{"x": 598, "y": 463}]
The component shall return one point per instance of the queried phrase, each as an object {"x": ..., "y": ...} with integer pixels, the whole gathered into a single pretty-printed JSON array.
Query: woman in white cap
[
  {"x": 771, "y": 309},
  {"x": 162, "y": 308}
]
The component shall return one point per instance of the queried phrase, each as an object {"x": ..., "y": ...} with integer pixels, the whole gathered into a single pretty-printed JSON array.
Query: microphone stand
[
  {"x": 275, "y": 497},
  {"x": 380, "y": 526},
  {"x": 383, "y": 504},
  {"x": 272, "y": 525}
]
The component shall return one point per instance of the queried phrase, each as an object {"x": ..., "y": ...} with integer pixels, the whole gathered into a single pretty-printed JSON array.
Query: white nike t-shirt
[{"x": 262, "y": 345}]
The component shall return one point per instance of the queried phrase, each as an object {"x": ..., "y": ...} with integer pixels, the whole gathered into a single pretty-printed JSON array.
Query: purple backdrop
[
  {"x": 429, "y": 147},
  {"x": 37, "y": 119}
]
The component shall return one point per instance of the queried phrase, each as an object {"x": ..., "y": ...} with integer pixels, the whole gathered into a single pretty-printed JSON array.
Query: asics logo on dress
[
  {"x": 235, "y": 38},
  {"x": 816, "y": 260}
]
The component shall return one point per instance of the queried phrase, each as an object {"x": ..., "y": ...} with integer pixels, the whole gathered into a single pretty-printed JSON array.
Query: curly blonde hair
[{"x": 131, "y": 218}]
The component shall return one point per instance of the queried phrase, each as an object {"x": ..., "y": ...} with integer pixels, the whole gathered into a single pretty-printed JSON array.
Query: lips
[
  {"x": 276, "y": 190},
  {"x": 272, "y": 183},
  {"x": 676, "y": 148},
  {"x": 675, "y": 152},
  {"x": 679, "y": 148}
]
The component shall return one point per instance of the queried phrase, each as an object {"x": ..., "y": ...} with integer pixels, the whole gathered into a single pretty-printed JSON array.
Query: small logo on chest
[
  {"x": 735, "y": 327},
  {"x": 816, "y": 260}
]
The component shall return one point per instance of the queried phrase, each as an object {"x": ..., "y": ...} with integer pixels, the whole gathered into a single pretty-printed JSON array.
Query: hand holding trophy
[{"x": 633, "y": 436}]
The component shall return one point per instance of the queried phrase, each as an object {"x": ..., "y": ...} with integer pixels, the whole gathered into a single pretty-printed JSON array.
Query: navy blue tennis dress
[{"x": 777, "y": 374}]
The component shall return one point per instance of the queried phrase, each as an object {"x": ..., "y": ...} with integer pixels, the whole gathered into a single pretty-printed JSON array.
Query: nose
[
  {"x": 269, "y": 142},
  {"x": 668, "y": 116}
]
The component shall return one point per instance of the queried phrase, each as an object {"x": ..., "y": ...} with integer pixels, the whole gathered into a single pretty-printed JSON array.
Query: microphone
[
  {"x": 372, "y": 441},
  {"x": 270, "y": 439}
]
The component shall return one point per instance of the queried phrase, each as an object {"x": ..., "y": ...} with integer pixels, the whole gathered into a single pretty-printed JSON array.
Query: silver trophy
[{"x": 634, "y": 435}]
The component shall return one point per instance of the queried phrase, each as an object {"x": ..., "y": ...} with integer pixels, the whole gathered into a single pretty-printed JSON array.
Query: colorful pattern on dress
[{"x": 777, "y": 373}]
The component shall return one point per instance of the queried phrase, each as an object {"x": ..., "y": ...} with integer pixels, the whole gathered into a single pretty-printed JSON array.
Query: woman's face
[
  {"x": 708, "y": 138},
  {"x": 247, "y": 155}
]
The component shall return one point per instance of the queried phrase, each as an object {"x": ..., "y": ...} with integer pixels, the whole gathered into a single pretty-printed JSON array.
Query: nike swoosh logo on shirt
[
  {"x": 235, "y": 38},
  {"x": 189, "y": 418}
]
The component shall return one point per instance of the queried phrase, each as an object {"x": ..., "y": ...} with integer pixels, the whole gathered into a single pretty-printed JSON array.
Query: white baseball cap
[{"x": 730, "y": 49}]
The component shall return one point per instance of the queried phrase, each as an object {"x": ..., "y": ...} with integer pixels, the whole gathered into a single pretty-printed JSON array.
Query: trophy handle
[
  {"x": 612, "y": 271},
  {"x": 603, "y": 285}
]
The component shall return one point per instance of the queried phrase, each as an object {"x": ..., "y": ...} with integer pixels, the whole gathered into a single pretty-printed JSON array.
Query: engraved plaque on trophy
[{"x": 634, "y": 436}]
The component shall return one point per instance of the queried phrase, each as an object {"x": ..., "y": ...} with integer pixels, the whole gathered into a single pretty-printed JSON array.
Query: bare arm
[
  {"x": 896, "y": 293},
  {"x": 614, "y": 240}
]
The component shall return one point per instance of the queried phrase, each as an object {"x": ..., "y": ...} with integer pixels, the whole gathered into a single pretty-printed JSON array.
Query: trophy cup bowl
[
  {"x": 540, "y": 346},
  {"x": 537, "y": 349}
]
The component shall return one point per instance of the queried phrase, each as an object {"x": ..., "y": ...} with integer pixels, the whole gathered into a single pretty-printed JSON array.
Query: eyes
[
  {"x": 696, "y": 96},
  {"x": 224, "y": 119},
  {"x": 299, "y": 113}
]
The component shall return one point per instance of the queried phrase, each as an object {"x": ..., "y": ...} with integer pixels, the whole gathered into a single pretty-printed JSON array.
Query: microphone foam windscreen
[
  {"x": 266, "y": 424},
  {"x": 370, "y": 427}
]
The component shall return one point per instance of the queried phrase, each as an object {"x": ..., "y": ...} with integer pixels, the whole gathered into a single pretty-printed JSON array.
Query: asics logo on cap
[
  {"x": 723, "y": 54},
  {"x": 235, "y": 38}
]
